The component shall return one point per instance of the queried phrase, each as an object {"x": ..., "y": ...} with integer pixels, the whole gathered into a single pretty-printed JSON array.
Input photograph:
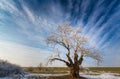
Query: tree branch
[
  {"x": 69, "y": 58},
  {"x": 68, "y": 54},
  {"x": 80, "y": 60},
  {"x": 75, "y": 54},
  {"x": 62, "y": 44},
  {"x": 67, "y": 47},
  {"x": 67, "y": 63},
  {"x": 75, "y": 57}
]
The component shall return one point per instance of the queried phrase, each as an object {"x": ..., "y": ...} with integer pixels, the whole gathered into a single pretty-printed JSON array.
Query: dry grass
[
  {"x": 64, "y": 70},
  {"x": 105, "y": 69}
]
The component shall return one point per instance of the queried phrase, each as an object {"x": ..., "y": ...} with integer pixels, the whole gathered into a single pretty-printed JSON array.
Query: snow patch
[
  {"x": 102, "y": 76},
  {"x": 44, "y": 76}
]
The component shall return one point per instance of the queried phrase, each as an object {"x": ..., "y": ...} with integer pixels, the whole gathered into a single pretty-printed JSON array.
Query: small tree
[
  {"x": 40, "y": 66},
  {"x": 76, "y": 45},
  {"x": 30, "y": 69}
]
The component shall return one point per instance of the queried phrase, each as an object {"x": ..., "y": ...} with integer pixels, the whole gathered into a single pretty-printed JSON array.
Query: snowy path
[{"x": 101, "y": 76}]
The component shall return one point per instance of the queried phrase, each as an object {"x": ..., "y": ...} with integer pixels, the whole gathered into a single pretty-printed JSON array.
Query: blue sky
[{"x": 25, "y": 24}]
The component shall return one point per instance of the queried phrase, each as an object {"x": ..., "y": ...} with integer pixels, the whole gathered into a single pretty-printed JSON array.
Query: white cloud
[
  {"x": 37, "y": 27},
  {"x": 111, "y": 55},
  {"x": 93, "y": 30},
  {"x": 34, "y": 27},
  {"x": 9, "y": 6},
  {"x": 29, "y": 13},
  {"x": 22, "y": 55}
]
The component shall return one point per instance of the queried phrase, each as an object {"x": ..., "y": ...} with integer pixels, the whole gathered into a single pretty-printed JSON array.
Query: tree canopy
[{"x": 76, "y": 44}]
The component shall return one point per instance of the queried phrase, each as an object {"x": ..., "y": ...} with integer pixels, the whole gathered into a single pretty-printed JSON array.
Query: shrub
[
  {"x": 7, "y": 69},
  {"x": 30, "y": 69}
]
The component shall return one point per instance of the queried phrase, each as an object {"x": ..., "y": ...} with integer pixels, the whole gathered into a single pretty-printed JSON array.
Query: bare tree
[
  {"x": 30, "y": 69},
  {"x": 75, "y": 43},
  {"x": 40, "y": 66}
]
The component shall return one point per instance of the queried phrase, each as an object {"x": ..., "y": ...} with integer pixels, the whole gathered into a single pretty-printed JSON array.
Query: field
[
  {"x": 89, "y": 72},
  {"x": 47, "y": 70},
  {"x": 105, "y": 69},
  {"x": 61, "y": 70},
  {"x": 63, "y": 73}
]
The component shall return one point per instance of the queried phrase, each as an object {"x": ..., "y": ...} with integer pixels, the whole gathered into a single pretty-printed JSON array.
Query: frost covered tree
[{"x": 73, "y": 41}]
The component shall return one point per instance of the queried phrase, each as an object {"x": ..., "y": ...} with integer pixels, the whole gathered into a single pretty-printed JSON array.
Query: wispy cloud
[
  {"x": 33, "y": 26},
  {"x": 29, "y": 14},
  {"x": 30, "y": 22}
]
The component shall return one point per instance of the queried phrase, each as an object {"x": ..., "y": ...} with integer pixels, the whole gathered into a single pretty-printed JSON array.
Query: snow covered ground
[{"x": 100, "y": 76}]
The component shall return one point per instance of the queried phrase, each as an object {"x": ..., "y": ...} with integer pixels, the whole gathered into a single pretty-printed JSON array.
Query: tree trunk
[{"x": 74, "y": 71}]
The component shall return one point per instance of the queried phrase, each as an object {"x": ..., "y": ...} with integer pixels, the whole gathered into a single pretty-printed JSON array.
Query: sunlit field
[
  {"x": 63, "y": 73},
  {"x": 60, "y": 70}
]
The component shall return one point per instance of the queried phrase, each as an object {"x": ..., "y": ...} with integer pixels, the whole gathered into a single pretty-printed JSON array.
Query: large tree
[{"x": 72, "y": 39}]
